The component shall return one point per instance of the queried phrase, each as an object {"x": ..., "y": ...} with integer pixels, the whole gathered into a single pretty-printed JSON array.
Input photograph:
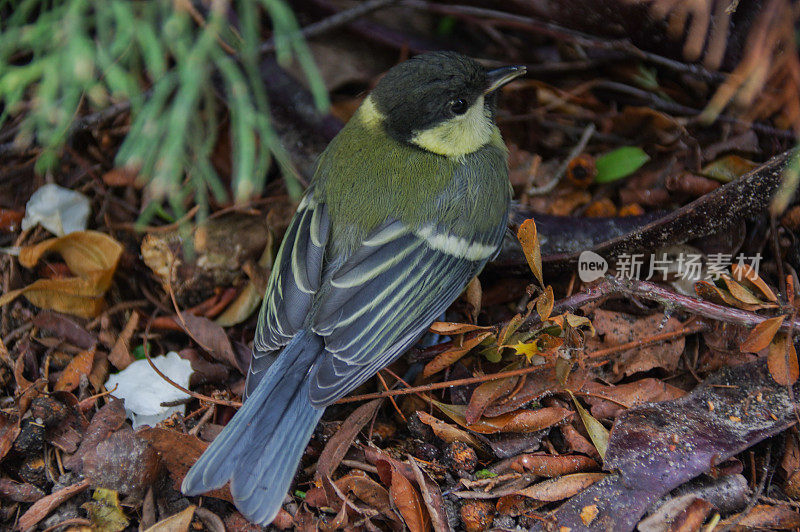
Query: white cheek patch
[{"x": 460, "y": 135}]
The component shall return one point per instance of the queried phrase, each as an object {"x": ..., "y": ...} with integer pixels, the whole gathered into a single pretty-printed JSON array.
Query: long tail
[{"x": 260, "y": 448}]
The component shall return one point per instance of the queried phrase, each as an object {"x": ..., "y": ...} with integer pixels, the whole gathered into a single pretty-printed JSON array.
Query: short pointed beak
[{"x": 500, "y": 76}]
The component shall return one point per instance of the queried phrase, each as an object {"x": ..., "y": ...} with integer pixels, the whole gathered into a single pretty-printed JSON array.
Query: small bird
[{"x": 407, "y": 204}]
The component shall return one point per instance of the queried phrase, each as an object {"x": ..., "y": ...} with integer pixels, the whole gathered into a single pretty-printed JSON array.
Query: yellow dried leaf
[{"x": 90, "y": 255}]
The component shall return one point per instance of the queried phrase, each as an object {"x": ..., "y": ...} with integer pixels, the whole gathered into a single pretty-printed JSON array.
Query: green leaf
[
  {"x": 484, "y": 473},
  {"x": 619, "y": 163}
]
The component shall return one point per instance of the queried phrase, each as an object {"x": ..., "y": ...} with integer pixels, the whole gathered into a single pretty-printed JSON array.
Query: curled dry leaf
[
  {"x": 408, "y": 502},
  {"x": 447, "y": 432},
  {"x": 529, "y": 241},
  {"x": 747, "y": 276},
  {"x": 179, "y": 522},
  {"x": 337, "y": 446},
  {"x": 42, "y": 508},
  {"x": 782, "y": 360},
  {"x": 713, "y": 293},
  {"x": 90, "y": 255},
  {"x": 451, "y": 356},
  {"x": 120, "y": 354},
  {"x": 545, "y": 465},
  {"x": 80, "y": 365},
  {"x": 518, "y": 421},
  {"x": 449, "y": 328},
  {"x": 487, "y": 393},
  {"x": 762, "y": 334},
  {"x": 368, "y": 491},
  {"x": 764, "y": 516},
  {"x": 544, "y": 303},
  {"x": 561, "y": 488}
]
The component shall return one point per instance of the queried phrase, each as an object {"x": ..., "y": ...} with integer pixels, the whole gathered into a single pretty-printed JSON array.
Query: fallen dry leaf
[
  {"x": 42, "y": 508},
  {"x": 91, "y": 256},
  {"x": 120, "y": 355},
  {"x": 340, "y": 442},
  {"x": 561, "y": 488},
  {"x": 782, "y": 360},
  {"x": 518, "y": 421},
  {"x": 447, "y": 432},
  {"x": 451, "y": 356},
  {"x": 79, "y": 366},
  {"x": 407, "y": 501},
  {"x": 529, "y": 241},
  {"x": 179, "y": 522},
  {"x": 105, "y": 512},
  {"x": 546, "y": 465}
]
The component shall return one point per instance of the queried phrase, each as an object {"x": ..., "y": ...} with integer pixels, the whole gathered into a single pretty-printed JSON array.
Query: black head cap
[{"x": 428, "y": 89}]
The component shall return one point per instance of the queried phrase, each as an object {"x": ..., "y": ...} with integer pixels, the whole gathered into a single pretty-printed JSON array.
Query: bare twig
[
  {"x": 334, "y": 21},
  {"x": 611, "y": 286},
  {"x": 562, "y": 169}
]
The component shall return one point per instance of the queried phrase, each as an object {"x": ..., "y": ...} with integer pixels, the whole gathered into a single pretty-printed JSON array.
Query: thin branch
[{"x": 334, "y": 21}]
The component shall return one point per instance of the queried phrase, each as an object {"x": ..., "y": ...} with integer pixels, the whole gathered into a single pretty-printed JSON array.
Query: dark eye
[{"x": 458, "y": 106}]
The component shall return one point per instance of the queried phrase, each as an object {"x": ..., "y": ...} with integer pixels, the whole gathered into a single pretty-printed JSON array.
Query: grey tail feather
[{"x": 260, "y": 448}]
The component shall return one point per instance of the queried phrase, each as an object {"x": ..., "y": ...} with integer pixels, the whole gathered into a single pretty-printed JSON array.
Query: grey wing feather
[
  {"x": 296, "y": 276},
  {"x": 381, "y": 301}
]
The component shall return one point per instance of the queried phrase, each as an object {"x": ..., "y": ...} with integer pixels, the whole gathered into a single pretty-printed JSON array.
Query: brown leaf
[
  {"x": 764, "y": 516},
  {"x": 105, "y": 422},
  {"x": 340, "y": 442},
  {"x": 544, "y": 303},
  {"x": 530, "y": 246},
  {"x": 713, "y": 293},
  {"x": 762, "y": 334},
  {"x": 447, "y": 432},
  {"x": 451, "y": 356},
  {"x": 9, "y": 430},
  {"x": 45, "y": 505},
  {"x": 432, "y": 497},
  {"x": 179, "y": 452},
  {"x": 782, "y": 360},
  {"x": 120, "y": 354},
  {"x": 90, "y": 255},
  {"x": 646, "y": 390},
  {"x": 19, "y": 491},
  {"x": 211, "y": 338},
  {"x": 486, "y": 394},
  {"x": 449, "y": 328},
  {"x": 519, "y": 421},
  {"x": 179, "y": 522},
  {"x": 369, "y": 492},
  {"x": 746, "y": 275},
  {"x": 80, "y": 365},
  {"x": 407, "y": 501},
  {"x": 473, "y": 295},
  {"x": 545, "y": 465},
  {"x": 64, "y": 328},
  {"x": 561, "y": 488}
]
